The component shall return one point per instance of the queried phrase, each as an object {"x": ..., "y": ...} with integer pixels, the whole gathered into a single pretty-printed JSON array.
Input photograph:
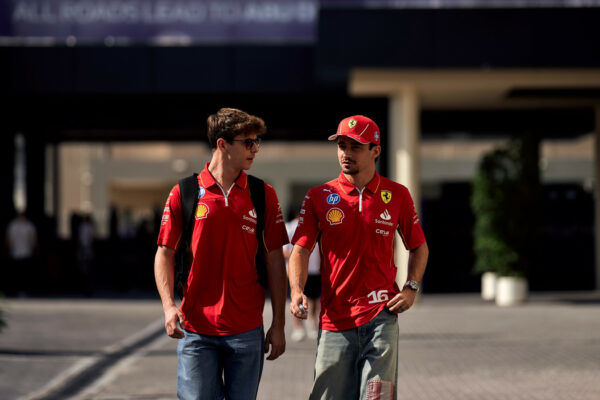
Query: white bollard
[
  {"x": 488, "y": 285},
  {"x": 510, "y": 291}
]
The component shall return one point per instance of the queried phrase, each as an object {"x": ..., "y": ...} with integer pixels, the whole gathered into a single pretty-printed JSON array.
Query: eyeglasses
[{"x": 249, "y": 142}]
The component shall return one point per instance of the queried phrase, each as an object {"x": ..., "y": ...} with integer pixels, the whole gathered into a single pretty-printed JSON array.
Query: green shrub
[{"x": 504, "y": 201}]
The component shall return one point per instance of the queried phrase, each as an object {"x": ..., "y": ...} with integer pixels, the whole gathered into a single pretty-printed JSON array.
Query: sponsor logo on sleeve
[
  {"x": 386, "y": 196},
  {"x": 166, "y": 214},
  {"x": 415, "y": 216},
  {"x": 335, "y": 216},
  {"x": 202, "y": 211},
  {"x": 333, "y": 198}
]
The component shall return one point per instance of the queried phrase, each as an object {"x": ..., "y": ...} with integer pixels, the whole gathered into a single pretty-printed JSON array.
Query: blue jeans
[
  {"x": 217, "y": 367},
  {"x": 359, "y": 363}
]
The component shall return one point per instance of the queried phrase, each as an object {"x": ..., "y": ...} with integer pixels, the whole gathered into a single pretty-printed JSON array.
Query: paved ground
[{"x": 451, "y": 347}]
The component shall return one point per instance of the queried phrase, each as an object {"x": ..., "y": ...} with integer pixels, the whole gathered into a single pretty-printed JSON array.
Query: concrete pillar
[
  {"x": 597, "y": 197},
  {"x": 404, "y": 153}
]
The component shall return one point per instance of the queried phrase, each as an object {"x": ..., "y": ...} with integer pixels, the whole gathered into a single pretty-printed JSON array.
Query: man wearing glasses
[{"x": 222, "y": 342}]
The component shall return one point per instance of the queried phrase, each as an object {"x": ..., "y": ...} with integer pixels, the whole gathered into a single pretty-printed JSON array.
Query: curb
[{"x": 85, "y": 371}]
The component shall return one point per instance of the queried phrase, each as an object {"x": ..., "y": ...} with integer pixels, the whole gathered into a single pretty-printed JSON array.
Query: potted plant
[{"x": 504, "y": 200}]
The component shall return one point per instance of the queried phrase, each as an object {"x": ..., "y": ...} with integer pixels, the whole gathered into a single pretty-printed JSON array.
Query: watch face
[{"x": 413, "y": 285}]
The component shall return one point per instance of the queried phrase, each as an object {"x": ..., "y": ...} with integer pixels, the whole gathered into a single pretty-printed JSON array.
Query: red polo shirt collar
[
  {"x": 348, "y": 187},
  {"x": 207, "y": 180}
]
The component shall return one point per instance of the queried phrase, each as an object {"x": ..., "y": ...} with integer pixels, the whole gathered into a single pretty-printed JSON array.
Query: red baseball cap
[{"x": 360, "y": 128}]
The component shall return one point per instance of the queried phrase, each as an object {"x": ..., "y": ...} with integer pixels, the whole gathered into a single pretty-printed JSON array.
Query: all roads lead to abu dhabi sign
[{"x": 151, "y": 20}]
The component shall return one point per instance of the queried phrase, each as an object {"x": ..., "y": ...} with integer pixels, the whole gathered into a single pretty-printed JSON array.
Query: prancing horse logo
[{"x": 386, "y": 196}]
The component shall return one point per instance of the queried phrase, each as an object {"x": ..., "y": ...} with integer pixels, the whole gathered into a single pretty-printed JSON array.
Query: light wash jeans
[
  {"x": 359, "y": 363},
  {"x": 217, "y": 367}
]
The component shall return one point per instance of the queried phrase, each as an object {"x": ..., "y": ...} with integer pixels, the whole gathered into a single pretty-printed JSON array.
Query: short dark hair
[
  {"x": 227, "y": 123},
  {"x": 371, "y": 145}
]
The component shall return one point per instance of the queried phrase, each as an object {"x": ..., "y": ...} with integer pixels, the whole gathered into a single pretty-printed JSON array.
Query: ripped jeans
[{"x": 359, "y": 363}]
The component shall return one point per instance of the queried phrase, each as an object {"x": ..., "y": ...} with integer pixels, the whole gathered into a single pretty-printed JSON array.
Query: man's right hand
[
  {"x": 172, "y": 316},
  {"x": 298, "y": 298}
]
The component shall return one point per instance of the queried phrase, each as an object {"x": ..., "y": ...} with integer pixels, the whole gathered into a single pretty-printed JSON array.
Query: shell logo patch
[
  {"x": 202, "y": 211},
  {"x": 386, "y": 196},
  {"x": 335, "y": 216},
  {"x": 351, "y": 123}
]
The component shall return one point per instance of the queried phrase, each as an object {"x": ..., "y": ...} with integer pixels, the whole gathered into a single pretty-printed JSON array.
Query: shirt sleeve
[
  {"x": 409, "y": 225},
  {"x": 308, "y": 224},
  {"x": 275, "y": 234},
  {"x": 171, "y": 222}
]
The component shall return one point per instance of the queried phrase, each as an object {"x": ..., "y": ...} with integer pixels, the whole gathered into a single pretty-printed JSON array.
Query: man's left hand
[
  {"x": 275, "y": 339},
  {"x": 402, "y": 301}
]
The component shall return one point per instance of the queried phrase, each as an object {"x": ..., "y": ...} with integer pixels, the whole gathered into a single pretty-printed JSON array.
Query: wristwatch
[{"x": 412, "y": 285}]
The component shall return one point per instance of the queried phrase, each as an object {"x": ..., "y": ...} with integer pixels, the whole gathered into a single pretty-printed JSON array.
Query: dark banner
[
  {"x": 188, "y": 22},
  {"x": 160, "y": 22}
]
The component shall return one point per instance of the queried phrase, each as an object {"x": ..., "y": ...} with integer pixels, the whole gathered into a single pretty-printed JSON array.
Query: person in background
[
  {"x": 312, "y": 289},
  {"x": 21, "y": 242}
]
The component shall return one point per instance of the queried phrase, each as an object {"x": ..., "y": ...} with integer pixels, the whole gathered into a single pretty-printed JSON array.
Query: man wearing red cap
[{"x": 354, "y": 217}]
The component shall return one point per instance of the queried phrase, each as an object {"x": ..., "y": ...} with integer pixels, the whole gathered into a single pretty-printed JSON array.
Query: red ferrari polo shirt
[
  {"x": 356, "y": 236},
  {"x": 222, "y": 295}
]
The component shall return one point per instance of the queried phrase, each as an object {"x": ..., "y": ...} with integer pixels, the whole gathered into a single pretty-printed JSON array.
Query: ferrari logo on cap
[
  {"x": 386, "y": 196},
  {"x": 351, "y": 123}
]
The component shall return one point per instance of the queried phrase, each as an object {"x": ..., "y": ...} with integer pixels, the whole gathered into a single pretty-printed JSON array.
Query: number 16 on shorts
[{"x": 378, "y": 296}]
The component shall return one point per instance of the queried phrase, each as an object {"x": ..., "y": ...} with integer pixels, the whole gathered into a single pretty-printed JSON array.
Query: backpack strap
[
  {"x": 257, "y": 194},
  {"x": 188, "y": 189}
]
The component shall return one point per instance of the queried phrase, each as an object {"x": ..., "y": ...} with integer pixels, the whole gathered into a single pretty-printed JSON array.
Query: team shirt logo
[
  {"x": 335, "y": 216},
  {"x": 166, "y": 213},
  {"x": 333, "y": 198},
  {"x": 201, "y": 192},
  {"x": 248, "y": 229},
  {"x": 385, "y": 215},
  {"x": 251, "y": 213},
  {"x": 386, "y": 196},
  {"x": 351, "y": 123},
  {"x": 201, "y": 211}
]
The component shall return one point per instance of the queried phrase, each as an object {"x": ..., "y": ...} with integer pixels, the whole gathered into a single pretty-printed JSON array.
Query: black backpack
[{"x": 188, "y": 188}]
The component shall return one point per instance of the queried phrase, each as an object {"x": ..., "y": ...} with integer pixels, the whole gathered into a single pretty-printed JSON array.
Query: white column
[
  {"x": 597, "y": 198},
  {"x": 402, "y": 142}
]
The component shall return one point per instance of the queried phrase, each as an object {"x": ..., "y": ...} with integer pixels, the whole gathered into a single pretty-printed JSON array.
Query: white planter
[
  {"x": 510, "y": 291},
  {"x": 488, "y": 285}
]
